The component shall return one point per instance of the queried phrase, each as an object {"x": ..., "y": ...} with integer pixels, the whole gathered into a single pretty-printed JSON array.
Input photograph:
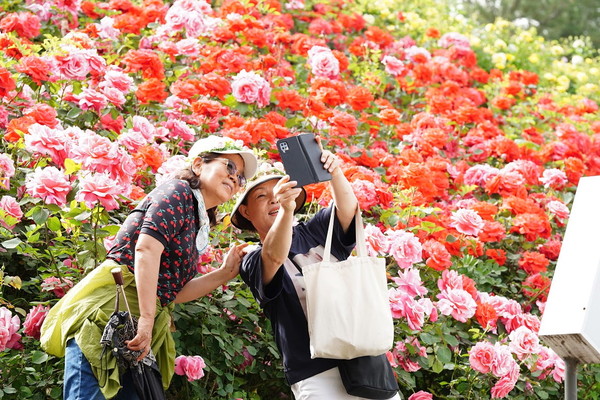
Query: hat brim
[{"x": 241, "y": 222}]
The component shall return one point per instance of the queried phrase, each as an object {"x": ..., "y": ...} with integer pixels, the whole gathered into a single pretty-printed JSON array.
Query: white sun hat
[{"x": 225, "y": 145}]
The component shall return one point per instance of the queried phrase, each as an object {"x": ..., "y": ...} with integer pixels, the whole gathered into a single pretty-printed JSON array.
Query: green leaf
[
  {"x": 450, "y": 239},
  {"x": 54, "y": 224},
  {"x": 12, "y": 243},
  {"x": 428, "y": 338},
  {"x": 437, "y": 366},
  {"x": 444, "y": 355},
  {"x": 25, "y": 392},
  {"x": 9, "y": 390},
  {"x": 40, "y": 215},
  {"x": 83, "y": 216},
  {"x": 38, "y": 357},
  {"x": 451, "y": 340},
  {"x": 74, "y": 113}
]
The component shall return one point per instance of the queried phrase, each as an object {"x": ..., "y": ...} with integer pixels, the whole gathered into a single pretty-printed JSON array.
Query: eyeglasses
[{"x": 232, "y": 170}]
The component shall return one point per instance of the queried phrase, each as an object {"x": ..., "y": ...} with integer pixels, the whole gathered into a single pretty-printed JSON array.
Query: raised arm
[
  {"x": 203, "y": 285},
  {"x": 343, "y": 195},
  {"x": 278, "y": 239}
]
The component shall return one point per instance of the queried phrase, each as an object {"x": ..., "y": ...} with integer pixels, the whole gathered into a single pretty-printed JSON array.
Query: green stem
[
  {"x": 95, "y": 223},
  {"x": 51, "y": 254}
]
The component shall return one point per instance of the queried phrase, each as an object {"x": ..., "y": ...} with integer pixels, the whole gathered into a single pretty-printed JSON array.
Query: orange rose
[
  {"x": 151, "y": 90},
  {"x": 17, "y": 127}
]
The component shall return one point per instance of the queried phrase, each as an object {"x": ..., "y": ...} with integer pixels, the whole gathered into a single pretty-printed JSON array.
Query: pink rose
[
  {"x": 11, "y": 213},
  {"x": 397, "y": 302},
  {"x": 413, "y": 53},
  {"x": 100, "y": 188},
  {"x": 323, "y": 63},
  {"x": 421, "y": 395},
  {"x": 90, "y": 99},
  {"x": 179, "y": 129},
  {"x": 97, "y": 64},
  {"x": 454, "y": 39},
  {"x": 481, "y": 357},
  {"x": 365, "y": 193},
  {"x": 34, "y": 319},
  {"x": 3, "y": 117},
  {"x": 145, "y": 127},
  {"x": 74, "y": 66},
  {"x": 132, "y": 140},
  {"x": 409, "y": 282},
  {"x": 7, "y": 171},
  {"x": 393, "y": 66},
  {"x": 56, "y": 286},
  {"x": 49, "y": 142},
  {"x": 117, "y": 79},
  {"x": 404, "y": 306},
  {"x": 467, "y": 222},
  {"x": 504, "y": 362},
  {"x": 375, "y": 240},
  {"x": 450, "y": 280},
  {"x": 402, "y": 357},
  {"x": 458, "y": 303},
  {"x": 188, "y": 47},
  {"x": 523, "y": 342},
  {"x": 249, "y": 87},
  {"x": 106, "y": 28},
  {"x": 114, "y": 96},
  {"x": 190, "y": 366},
  {"x": 9, "y": 325},
  {"x": 503, "y": 387},
  {"x": 558, "y": 208},
  {"x": 404, "y": 247},
  {"x": 479, "y": 174},
  {"x": 97, "y": 153},
  {"x": 415, "y": 315},
  {"x": 49, "y": 184},
  {"x": 554, "y": 178}
]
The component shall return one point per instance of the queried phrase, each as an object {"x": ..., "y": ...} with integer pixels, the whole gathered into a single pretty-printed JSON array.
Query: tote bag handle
[{"x": 361, "y": 248}]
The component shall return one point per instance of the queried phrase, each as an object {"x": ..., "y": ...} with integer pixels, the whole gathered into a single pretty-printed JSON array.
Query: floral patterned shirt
[{"x": 169, "y": 214}]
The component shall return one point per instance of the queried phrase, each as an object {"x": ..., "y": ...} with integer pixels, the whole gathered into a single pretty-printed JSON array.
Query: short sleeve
[
  {"x": 251, "y": 273},
  {"x": 166, "y": 214}
]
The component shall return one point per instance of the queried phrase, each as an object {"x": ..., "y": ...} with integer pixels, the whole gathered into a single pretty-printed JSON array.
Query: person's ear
[
  {"x": 197, "y": 165},
  {"x": 244, "y": 211}
]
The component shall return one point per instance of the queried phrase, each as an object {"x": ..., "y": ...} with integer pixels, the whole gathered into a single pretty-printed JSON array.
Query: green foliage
[{"x": 555, "y": 19}]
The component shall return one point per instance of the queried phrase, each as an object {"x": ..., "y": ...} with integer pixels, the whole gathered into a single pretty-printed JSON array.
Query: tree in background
[{"x": 555, "y": 19}]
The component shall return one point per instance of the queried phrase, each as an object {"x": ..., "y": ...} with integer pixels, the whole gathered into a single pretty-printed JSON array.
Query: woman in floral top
[{"x": 157, "y": 249}]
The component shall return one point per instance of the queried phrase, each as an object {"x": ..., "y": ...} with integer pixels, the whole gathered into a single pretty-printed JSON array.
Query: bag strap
[{"x": 361, "y": 247}]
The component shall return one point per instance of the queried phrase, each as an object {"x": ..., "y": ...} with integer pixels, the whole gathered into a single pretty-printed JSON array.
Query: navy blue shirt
[{"x": 283, "y": 298}]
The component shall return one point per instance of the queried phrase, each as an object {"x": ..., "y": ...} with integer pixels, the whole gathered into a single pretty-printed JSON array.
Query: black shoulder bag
[{"x": 369, "y": 377}]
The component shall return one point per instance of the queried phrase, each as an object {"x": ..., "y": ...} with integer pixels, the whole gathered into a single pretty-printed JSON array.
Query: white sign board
[{"x": 571, "y": 321}]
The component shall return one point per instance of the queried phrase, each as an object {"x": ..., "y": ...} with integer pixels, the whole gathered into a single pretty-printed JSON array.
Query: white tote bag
[{"x": 348, "y": 309}]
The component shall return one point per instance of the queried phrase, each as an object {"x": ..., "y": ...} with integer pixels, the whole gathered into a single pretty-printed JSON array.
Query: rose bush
[{"x": 463, "y": 143}]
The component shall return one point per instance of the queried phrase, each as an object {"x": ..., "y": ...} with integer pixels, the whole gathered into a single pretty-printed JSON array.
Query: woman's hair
[{"x": 188, "y": 174}]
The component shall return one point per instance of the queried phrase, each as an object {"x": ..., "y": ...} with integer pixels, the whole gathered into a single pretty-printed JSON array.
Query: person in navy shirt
[{"x": 273, "y": 271}]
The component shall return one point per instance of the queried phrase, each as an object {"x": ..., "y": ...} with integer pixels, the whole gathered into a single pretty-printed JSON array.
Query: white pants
[{"x": 325, "y": 386}]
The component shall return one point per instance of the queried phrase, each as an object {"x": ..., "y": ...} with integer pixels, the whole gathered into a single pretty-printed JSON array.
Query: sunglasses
[{"x": 232, "y": 170}]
